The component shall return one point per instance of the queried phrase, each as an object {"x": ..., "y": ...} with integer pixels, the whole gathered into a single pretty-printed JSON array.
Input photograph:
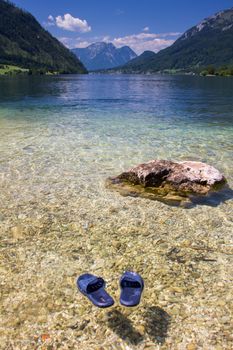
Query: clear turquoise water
[
  {"x": 105, "y": 124},
  {"x": 60, "y": 138},
  {"x": 134, "y": 118}
]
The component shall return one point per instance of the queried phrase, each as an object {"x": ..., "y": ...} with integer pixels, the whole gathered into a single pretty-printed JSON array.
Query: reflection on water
[{"x": 60, "y": 138}]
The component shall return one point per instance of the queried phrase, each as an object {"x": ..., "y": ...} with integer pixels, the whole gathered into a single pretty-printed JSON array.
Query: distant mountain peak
[{"x": 103, "y": 55}]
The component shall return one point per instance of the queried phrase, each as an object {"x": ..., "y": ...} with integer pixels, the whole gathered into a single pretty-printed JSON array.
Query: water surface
[{"x": 60, "y": 138}]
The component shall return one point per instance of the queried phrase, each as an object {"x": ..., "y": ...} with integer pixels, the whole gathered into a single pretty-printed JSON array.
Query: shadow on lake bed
[
  {"x": 213, "y": 199},
  {"x": 155, "y": 326}
]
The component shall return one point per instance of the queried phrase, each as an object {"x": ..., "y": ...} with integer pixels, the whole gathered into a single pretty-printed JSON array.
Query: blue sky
[{"x": 141, "y": 24}]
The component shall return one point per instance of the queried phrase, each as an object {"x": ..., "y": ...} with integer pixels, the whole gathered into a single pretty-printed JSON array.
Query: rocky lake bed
[
  {"x": 58, "y": 219},
  {"x": 46, "y": 244}
]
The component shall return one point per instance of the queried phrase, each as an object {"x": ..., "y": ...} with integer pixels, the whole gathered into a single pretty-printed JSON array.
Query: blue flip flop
[
  {"x": 132, "y": 286},
  {"x": 93, "y": 288}
]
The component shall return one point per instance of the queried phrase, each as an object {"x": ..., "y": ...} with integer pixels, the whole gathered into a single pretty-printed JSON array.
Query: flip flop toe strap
[
  {"x": 94, "y": 285},
  {"x": 90, "y": 283},
  {"x": 131, "y": 280}
]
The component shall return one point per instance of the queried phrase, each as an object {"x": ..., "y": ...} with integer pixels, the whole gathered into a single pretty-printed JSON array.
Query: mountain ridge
[{"x": 102, "y": 55}]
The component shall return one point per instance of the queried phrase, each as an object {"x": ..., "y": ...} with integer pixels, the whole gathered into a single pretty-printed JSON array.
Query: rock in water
[{"x": 172, "y": 181}]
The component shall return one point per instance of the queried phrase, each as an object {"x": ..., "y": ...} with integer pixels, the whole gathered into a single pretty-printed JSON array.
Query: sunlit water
[{"x": 60, "y": 138}]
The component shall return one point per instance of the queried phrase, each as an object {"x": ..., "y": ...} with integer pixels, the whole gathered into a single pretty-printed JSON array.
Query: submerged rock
[{"x": 169, "y": 180}]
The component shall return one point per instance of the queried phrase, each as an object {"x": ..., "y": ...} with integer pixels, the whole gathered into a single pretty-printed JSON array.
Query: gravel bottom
[{"x": 48, "y": 238}]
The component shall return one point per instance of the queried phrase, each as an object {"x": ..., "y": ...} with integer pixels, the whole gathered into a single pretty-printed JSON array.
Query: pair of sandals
[{"x": 93, "y": 288}]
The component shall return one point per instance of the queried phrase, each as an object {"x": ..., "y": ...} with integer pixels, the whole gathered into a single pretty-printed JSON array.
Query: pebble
[
  {"x": 225, "y": 319},
  {"x": 141, "y": 329},
  {"x": 176, "y": 289},
  {"x": 191, "y": 346},
  {"x": 22, "y": 216},
  {"x": 17, "y": 232},
  {"x": 175, "y": 311},
  {"x": 220, "y": 303}
]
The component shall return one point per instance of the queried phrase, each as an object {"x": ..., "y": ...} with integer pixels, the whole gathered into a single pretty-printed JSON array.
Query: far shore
[{"x": 12, "y": 70}]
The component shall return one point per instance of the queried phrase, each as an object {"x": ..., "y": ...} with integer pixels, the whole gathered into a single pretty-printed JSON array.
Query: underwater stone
[{"x": 167, "y": 178}]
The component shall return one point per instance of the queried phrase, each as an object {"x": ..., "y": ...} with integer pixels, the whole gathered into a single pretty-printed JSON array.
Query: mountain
[
  {"x": 104, "y": 55},
  {"x": 139, "y": 61},
  {"x": 24, "y": 43},
  {"x": 208, "y": 43}
]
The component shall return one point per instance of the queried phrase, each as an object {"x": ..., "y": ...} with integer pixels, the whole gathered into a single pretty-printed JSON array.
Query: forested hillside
[{"x": 25, "y": 43}]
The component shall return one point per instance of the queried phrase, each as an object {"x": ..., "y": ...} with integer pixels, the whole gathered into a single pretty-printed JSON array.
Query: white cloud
[
  {"x": 164, "y": 35},
  {"x": 146, "y": 41},
  {"x": 146, "y": 29},
  {"x": 65, "y": 41},
  {"x": 78, "y": 42},
  {"x": 50, "y": 21},
  {"x": 72, "y": 24},
  {"x": 81, "y": 44},
  {"x": 106, "y": 39}
]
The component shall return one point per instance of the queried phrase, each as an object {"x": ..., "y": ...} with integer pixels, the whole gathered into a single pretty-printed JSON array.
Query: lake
[{"x": 60, "y": 138}]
